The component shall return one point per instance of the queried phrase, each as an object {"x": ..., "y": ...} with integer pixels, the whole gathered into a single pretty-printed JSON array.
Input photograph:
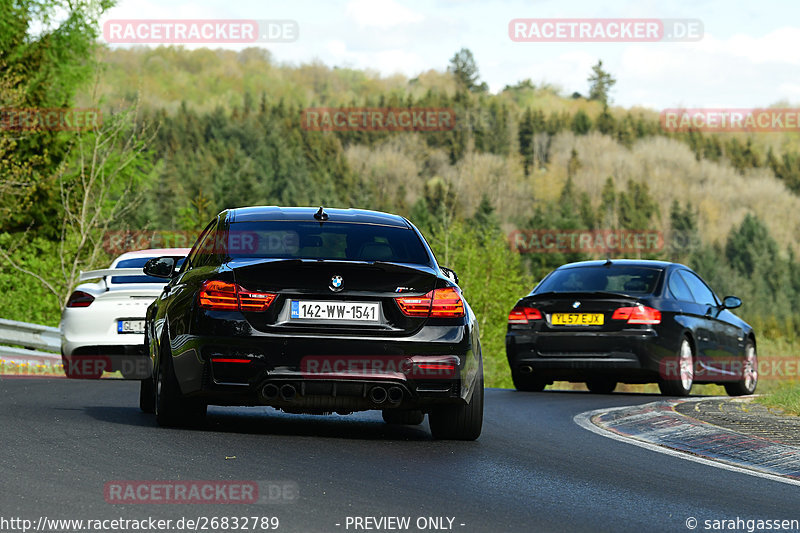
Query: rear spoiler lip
[
  {"x": 568, "y": 295},
  {"x": 93, "y": 274}
]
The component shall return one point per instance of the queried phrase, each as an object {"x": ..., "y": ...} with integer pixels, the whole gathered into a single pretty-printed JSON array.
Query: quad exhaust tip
[
  {"x": 270, "y": 391},
  {"x": 527, "y": 369},
  {"x": 395, "y": 394},
  {"x": 288, "y": 392},
  {"x": 378, "y": 395}
]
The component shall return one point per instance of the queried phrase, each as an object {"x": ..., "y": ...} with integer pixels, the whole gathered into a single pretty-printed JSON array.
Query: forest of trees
[{"x": 524, "y": 158}]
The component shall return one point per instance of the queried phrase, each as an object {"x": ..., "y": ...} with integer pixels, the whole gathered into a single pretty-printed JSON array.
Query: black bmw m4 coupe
[
  {"x": 629, "y": 321},
  {"x": 314, "y": 311}
]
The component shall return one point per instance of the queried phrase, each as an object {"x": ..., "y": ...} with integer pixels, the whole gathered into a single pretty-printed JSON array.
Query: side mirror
[
  {"x": 731, "y": 302},
  {"x": 451, "y": 275},
  {"x": 160, "y": 267}
]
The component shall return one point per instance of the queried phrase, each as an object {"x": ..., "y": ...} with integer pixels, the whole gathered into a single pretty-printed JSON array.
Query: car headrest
[
  {"x": 635, "y": 285},
  {"x": 375, "y": 251}
]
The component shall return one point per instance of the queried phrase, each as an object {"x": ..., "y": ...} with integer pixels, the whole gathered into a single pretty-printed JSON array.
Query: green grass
[
  {"x": 785, "y": 396},
  {"x": 779, "y": 365}
]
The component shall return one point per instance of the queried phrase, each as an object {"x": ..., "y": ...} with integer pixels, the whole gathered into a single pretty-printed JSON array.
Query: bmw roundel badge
[
  {"x": 576, "y": 305},
  {"x": 337, "y": 283}
]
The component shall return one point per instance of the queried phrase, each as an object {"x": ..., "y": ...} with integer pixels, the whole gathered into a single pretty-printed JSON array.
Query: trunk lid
[
  {"x": 335, "y": 286},
  {"x": 553, "y": 338}
]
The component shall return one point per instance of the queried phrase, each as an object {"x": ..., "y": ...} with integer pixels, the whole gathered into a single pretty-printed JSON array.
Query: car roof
[
  {"x": 648, "y": 263},
  {"x": 306, "y": 214}
]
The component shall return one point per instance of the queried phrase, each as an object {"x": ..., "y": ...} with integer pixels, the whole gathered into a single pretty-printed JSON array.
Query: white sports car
[{"x": 102, "y": 326}]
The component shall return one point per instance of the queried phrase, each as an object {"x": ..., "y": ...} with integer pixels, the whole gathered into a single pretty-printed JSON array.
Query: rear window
[
  {"x": 138, "y": 262},
  {"x": 329, "y": 240},
  {"x": 622, "y": 279}
]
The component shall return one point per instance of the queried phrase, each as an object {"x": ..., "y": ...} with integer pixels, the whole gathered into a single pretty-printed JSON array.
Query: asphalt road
[{"x": 533, "y": 469}]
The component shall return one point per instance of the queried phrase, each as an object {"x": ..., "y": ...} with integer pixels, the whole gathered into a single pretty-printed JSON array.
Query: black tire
[
  {"x": 459, "y": 422},
  {"x": 171, "y": 408},
  {"x": 746, "y": 385},
  {"x": 527, "y": 382},
  {"x": 147, "y": 396},
  {"x": 681, "y": 384},
  {"x": 403, "y": 417},
  {"x": 601, "y": 386}
]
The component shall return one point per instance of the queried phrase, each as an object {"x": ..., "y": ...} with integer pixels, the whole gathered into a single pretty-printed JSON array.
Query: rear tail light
[
  {"x": 438, "y": 303},
  {"x": 638, "y": 315},
  {"x": 219, "y": 296},
  {"x": 255, "y": 301},
  {"x": 415, "y": 305},
  {"x": 80, "y": 299},
  {"x": 523, "y": 315},
  {"x": 226, "y": 296},
  {"x": 447, "y": 303}
]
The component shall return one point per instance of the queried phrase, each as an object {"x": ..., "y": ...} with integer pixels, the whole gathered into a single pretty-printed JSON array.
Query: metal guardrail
[{"x": 39, "y": 343}]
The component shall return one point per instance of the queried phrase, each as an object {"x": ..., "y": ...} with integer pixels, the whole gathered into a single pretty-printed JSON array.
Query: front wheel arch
[{"x": 742, "y": 387}]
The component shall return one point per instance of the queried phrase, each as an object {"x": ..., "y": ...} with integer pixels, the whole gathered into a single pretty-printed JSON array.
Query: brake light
[
  {"x": 80, "y": 299},
  {"x": 523, "y": 315},
  {"x": 255, "y": 301},
  {"x": 225, "y": 296},
  {"x": 638, "y": 315},
  {"x": 219, "y": 296},
  {"x": 415, "y": 305},
  {"x": 438, "y": 303},
  {"x": 447, "y": 303}
]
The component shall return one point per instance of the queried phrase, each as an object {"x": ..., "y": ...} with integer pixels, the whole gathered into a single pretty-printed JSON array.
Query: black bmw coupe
[
  {"x": 314, "y": 311},
  {"x": 604, "y": 322}
]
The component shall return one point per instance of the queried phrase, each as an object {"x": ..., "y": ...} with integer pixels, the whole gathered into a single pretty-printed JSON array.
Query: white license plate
[
  {"x": 346, "y": 311},
  {"x": 130, "y": 326}
]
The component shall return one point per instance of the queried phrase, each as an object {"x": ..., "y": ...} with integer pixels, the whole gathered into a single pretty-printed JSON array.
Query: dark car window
[
  {"x": 702, "y": 294},
  {"x": 138, "y": 262},
  {"x": 202, "y": 249},
  {"x": 679, "y": 289},
  {"x": 331, "y": 240},
  {"x": 622, "y": 279}
]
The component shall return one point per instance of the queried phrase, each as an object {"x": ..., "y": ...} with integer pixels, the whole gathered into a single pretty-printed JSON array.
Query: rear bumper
[
  {"x": 93, "y": 335},
  {"x": 328, "y": 374},
  {"x": 342, "y": 395},
  {"x": 629, "y": 356},
  {"x": 97, "y": 325}
]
